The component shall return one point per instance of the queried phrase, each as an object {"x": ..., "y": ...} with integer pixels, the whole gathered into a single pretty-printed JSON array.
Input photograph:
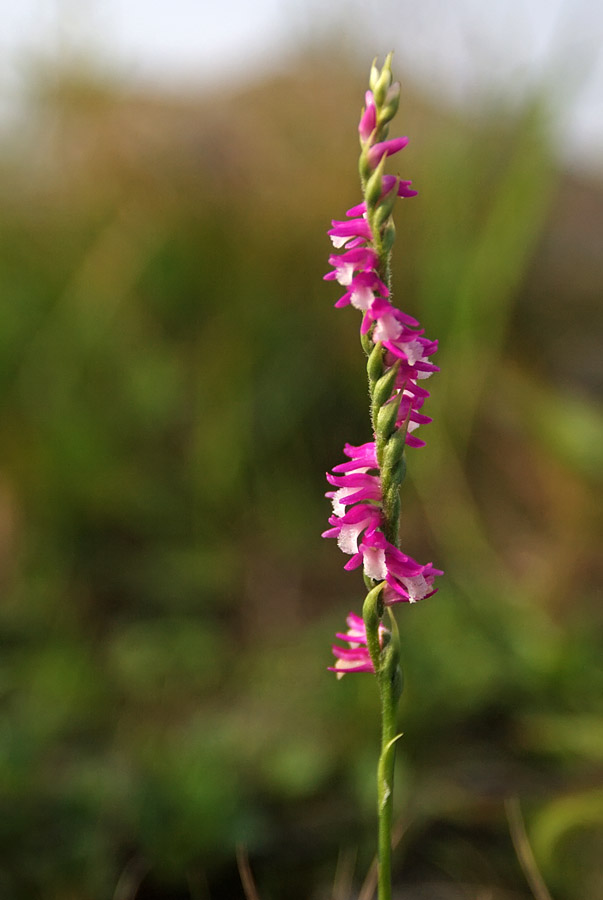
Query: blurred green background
[{"x": 175, "y": 382}]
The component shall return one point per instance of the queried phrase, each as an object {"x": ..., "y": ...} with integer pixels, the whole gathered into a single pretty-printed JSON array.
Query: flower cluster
[
  {"x": 356, "y": 657},
  {"x": 358, "y": 270},
  {"x": 365, "y": 500},
  {"x": 357, "y": 523}
]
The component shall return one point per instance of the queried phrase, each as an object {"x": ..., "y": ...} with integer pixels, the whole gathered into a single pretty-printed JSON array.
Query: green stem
[
  {"x": 385, "y": 781},
  {"x": 389, "y": 443}
]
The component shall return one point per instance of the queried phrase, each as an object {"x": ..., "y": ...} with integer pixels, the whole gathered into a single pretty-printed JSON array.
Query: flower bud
[
  {"x": 385, "y": 385},
  {"x": 392, "y": 102},
  {"x": 383, "y": 82},
  {"x": 368, "y": 119},
  {"x": 373, "y": 75},
  {"x": 394, "y": 464},
  {"x": 372, "y": 610},
  {"x": 386, "y": 207},
  {"x": 388, "y": 236},
  {"x": 374, "y": 186},
  {"x": 364, "y": 167},
  {"x": 374, "y": 366},
  {"x": 386, "y": 419}
]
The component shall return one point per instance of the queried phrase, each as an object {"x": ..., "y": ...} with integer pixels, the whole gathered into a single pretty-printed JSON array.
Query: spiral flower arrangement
[{"x": 366, "y": 487}]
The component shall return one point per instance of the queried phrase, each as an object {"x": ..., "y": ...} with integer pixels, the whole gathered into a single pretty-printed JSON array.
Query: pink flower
[
  {"x": 371, "y": 553},
  {"x": 356, "y": 657},
  {"x": 349, "y": 526},
  {"x": 361, "y": 492},
  {"x": 404, "y": 190},
  {"x": 363, "y": 289},
  {"x": 341, "y": 232},
  {"x": 415, "y": 352},
  {"x": 389, "y": 322},
  {"x": 385, "y": 148},
  {"x": 407, "y": 580},
  {"x": 362, "y": 457},
  {"x": 354, "y": 487},
  {"x": 368, "y": 119},
  {"x": 409, "y": 406},
  {"x": 357, "y": 260}
]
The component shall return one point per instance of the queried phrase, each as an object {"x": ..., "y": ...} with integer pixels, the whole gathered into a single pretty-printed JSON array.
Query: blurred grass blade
[
  {"x": 245, "y": 874},
  {"x": 524, "y": 850}
]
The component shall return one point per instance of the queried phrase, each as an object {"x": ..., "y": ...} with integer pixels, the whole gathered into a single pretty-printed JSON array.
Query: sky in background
[{"x": 461, "y": 50}]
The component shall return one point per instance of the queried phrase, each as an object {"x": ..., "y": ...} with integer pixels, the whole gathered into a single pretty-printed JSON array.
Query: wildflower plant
[{"x": 366, "y": 487}]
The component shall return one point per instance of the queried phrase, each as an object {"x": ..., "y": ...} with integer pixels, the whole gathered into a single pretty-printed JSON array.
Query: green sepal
[
  {"x": 391, "y": 510},
  {"x": 374, "y": 185},
  {"x": 380, "y": 224},
  {"x": 382, "y": 130},
  {"x": 386, "y": 419},
  {"x": 385, "y": 770},
  {"x": 393, "y": 467},
  {"x": 374, "y": 364},
  {"x": 383, "y": 389},
  {"x": 363, "y": 165},
  {"x": 392, "y": 478},
  {"x": 366, "y": 343},
  {"x": 386, "y": 754},
  {"x": 393, "y": 627},
  {"x": 391, "y": 102},
  {"x": 386, "y": 207},
  {"x": 381, "y": 85},
  {"x": 372, "y": 610},
  {"x": 388, "y": 236},
  {"x": 373, "y": 75},
  {"x": 385, "y": 385}
]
